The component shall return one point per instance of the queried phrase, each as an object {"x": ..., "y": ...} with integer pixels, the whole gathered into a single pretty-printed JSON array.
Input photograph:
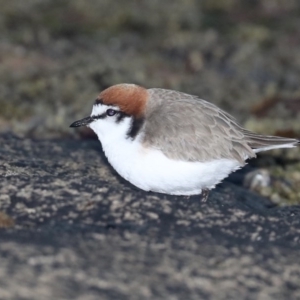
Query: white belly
[{"x": 151, "y": 170}]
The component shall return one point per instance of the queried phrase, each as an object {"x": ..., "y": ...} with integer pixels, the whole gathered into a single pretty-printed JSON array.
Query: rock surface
[{"x": 75, "y": 230}]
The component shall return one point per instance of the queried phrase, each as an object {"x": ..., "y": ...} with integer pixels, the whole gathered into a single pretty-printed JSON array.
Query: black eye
[{"x": 111, "y": 112}]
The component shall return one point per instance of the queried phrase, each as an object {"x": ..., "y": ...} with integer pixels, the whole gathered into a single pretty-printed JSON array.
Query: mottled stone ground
[{"x": 75, "y": 230}]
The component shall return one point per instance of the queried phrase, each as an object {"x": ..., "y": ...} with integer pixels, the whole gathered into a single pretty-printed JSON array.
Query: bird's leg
[{"x": 204, "y": 195}]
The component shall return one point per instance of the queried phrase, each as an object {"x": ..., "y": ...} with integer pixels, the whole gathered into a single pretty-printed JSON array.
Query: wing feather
[{"x": 193, "y": 129}]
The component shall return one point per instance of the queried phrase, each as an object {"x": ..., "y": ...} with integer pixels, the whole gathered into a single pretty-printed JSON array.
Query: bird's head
[{"x": 118, "y": 110}]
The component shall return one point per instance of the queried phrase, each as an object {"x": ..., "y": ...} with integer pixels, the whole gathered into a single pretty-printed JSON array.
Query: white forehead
[{"x": 99, "y": 109}]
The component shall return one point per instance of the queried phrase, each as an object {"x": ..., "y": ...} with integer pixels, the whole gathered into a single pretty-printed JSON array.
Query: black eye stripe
[
  {"x": 102, "y": 116},
  {"x": 121, "y": 116},
  {"x": 136, "y": 126}
]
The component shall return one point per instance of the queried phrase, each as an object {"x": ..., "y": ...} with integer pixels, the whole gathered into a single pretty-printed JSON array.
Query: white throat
[{"x": 111, "y": 133}]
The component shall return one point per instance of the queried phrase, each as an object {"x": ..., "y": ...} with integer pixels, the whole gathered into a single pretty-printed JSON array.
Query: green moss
[{"x": 10, "y": 111}]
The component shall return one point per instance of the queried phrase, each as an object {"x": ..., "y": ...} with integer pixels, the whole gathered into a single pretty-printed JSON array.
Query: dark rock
[{"x": 82, "y": 232}]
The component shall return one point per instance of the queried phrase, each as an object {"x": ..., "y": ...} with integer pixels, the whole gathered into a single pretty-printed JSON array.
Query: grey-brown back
[{"x": 187, "y": 128}]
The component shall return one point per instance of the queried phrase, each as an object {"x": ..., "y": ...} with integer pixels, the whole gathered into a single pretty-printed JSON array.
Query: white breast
[{"x": 151, "y": 170}]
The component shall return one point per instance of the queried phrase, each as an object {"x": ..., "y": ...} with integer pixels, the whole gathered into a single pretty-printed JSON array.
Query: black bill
[{"x": 82, "y": 122}]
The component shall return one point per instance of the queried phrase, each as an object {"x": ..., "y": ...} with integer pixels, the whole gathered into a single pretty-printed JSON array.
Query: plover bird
[{"x": 171, "y": 142}]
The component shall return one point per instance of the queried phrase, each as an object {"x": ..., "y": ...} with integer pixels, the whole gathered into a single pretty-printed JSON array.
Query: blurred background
[{"x": 57, "y": 55}]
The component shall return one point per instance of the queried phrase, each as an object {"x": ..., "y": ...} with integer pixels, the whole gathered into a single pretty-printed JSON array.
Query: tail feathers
[{"x": 267, "y": 142}]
